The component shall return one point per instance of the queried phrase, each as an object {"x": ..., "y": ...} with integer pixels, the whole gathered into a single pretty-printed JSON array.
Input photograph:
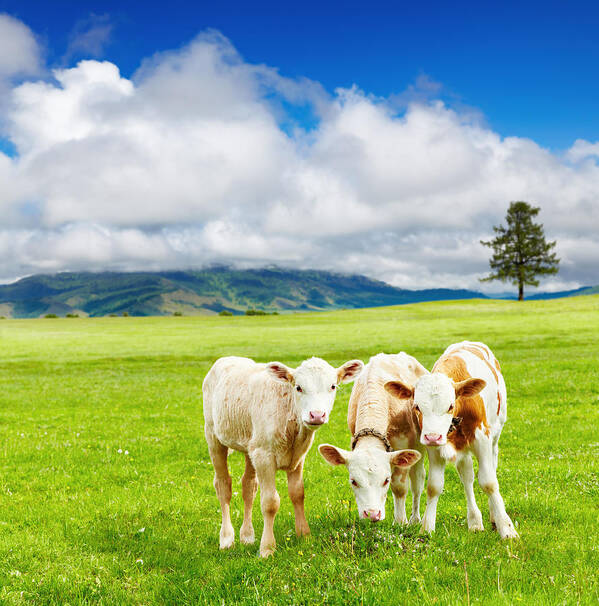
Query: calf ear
[
  {"x": 404, "y": 458},
  {"x": 399, "y": 390},
  {"x": 280, "y": 372},
  {"x": 333, "y": 455},
  {"x": 349, "y": 371},
  {"x": 469, "y": 387}
]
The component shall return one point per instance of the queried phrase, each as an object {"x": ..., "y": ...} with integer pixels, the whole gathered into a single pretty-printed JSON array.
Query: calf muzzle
[
  {"x": 316, "y": 417},
  {"x": 433, "y": 439},
  {"x": 374, "y": 515}
]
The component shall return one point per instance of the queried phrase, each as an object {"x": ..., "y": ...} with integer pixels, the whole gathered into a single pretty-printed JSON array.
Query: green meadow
[{"x": 106, "y": 485}]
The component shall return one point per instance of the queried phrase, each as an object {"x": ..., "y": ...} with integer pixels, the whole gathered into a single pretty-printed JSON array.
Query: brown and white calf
[
  {"x": 462, "y": 409},
  {"x": 269, "y": 412},
  {"x": 385, "y": 440}
]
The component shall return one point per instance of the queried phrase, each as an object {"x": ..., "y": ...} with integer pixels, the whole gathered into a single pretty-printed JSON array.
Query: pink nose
[
  {"x": 317, "y": 417},
  {"x": 373, "y": 514},
  {"x": 432, "y": 438}
]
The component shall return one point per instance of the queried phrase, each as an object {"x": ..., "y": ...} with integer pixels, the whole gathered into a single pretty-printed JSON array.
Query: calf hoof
[
  {"x": 227, "y": 542},
  {"x": 247, "y": 537},
  {"x": 428, "y": 526},
  {"x": 266, "y": 552},
  {"x": 475, "y": 523},
  {"x": 508, "y": 532},
  {"x": 414, "y": 519},
  {"x": 400, "y": 521},
  {"x": 304, "y": 531}
]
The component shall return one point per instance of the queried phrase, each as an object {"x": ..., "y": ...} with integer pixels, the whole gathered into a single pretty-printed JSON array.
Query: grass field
[{"x": 106, "y": 486}]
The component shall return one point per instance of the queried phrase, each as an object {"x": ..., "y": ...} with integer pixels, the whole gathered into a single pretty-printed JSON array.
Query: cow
[
  {"x": 385, "y": 440},
  {"x": 461, "y": 408},
  {"x": 269, "y": 412}
]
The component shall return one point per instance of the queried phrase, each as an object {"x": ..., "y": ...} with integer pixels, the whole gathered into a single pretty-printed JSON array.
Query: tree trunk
[{"x": 520, "y": 291}]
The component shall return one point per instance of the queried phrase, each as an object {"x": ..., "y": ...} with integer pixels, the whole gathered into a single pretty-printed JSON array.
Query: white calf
[{"x": 269, "y": 412}]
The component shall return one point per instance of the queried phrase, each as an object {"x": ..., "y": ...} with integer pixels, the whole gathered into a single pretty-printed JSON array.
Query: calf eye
[
  {"x": 354, "y": 483},
  {"x": 417, "y": 408},
  {"x": 386, "y": 482},
  {"x": 333, "y": 387},
  {"x": 298, "y": 388}
]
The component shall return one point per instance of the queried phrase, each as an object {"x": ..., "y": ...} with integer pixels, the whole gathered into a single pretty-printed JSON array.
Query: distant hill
[
  {"x": 206, "y": 291},
  {"x": 585, "y": 290}
]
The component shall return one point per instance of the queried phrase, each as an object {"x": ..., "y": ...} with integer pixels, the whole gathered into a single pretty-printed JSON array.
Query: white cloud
[
  {"x": 188, "y": 163},
  {"x": 19, "y": 51},
  {"x": 583, "y": 150},
  {"x": 20, "y": 56}
]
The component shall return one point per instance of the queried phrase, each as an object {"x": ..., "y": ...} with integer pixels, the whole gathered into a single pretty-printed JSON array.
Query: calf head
[
  {"x": 434, "y": 398},
  {"x": 314, "y": 384},
  {"x": 370, "y": 471}
]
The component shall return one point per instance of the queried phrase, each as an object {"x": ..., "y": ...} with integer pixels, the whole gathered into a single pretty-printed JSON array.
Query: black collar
[{"x": 371, "y": 432}]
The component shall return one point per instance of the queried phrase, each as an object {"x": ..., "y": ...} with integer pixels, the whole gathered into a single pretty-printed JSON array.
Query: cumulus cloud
[
  {"x": 20, "y": 56},
  {"x": 198, "y": 158},
  {"x": 19, "y": 50},
  {"x": 582, "y": 150}
]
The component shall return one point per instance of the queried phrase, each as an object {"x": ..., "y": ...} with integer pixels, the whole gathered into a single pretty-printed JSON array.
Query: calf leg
[
  {"x": 436, "y": 480},
  {"x": 487, "y": 478},
  {"x": 496, "y": 449},
  {"x": 222, "y": 485},
  {"x": 295, "y": 485},
  {"x": 399, "y": 488},
  {"x": 248, "y": 491},
  {"x": 417, "y": 476},
  {"x": 466, "y": 471},
  {"x": 495, "y": 460},
  {"x": 266, "y": 469}
]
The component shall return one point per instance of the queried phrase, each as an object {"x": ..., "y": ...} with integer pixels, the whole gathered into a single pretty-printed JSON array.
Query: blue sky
[{"x": 530, "y": 68}]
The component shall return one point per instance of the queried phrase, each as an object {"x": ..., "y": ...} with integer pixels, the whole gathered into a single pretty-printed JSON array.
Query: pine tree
[{"x": 520, "y": 251}]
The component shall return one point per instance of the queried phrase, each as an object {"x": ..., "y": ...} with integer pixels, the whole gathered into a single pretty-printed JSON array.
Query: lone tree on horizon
[{"x": 520, "y": 251}]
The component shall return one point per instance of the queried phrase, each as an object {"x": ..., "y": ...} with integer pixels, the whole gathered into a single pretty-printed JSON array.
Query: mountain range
[
  {"x": 584, "y": 290},
  {"x": 212, "y": 290}
]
